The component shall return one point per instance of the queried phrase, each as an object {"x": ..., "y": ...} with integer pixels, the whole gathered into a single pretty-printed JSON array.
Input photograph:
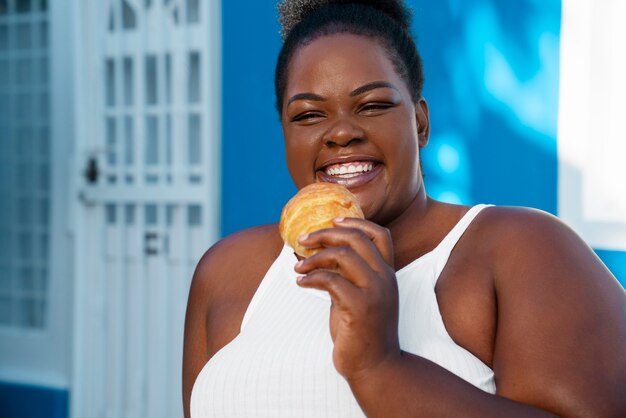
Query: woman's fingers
[
  {"x": 345, "y": 261},
  {"x": 341, "y": 291},
  {"x": 369, "y": 240},
  {"x": 349, "y": 238},
  {"x": 378, "y": 235}
]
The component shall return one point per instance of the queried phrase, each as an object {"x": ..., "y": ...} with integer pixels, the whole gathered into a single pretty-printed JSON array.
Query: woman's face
[{"x": 349, "y": 118}]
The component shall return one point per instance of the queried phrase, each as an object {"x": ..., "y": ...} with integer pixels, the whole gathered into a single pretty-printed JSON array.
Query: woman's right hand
[{"x": 356, "y": 269}]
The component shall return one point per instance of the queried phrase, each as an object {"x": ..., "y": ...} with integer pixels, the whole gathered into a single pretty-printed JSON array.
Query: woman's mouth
[
  {"x": 348, "y": 170},
  {"x": 351, "y": 174}
]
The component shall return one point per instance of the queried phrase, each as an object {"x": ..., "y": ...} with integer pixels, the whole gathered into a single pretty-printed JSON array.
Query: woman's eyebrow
[
  {"x": 306, "y": 96},
  {"x": 359, "y": 90},
  {"x": 371, "y": 86}
]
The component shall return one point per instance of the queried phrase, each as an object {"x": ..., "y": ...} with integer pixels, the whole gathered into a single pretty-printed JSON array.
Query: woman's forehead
[{"x": 340, "y": 59}]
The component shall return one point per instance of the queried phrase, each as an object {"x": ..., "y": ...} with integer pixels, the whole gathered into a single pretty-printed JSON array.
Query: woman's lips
[{"x": 351, "y": 178}]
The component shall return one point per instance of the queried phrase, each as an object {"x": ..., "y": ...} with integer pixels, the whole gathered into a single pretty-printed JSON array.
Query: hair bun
[{"x": 291, "y": 12}]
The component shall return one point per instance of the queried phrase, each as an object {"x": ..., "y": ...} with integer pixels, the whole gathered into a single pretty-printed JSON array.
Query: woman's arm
[
  {"x": 195, "y": 350},
  {"x": 561, "y": 337}
]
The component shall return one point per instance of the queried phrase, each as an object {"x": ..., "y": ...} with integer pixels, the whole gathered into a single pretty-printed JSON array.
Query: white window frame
[{"x": 41, "y": 356}]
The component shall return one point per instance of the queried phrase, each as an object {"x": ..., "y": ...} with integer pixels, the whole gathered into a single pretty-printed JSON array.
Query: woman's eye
[
  {"x": 374, "y": 107},
  {"x": 308, "y": 116}
]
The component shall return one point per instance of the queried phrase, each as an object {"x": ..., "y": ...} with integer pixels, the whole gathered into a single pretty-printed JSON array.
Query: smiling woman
[{"x": 426, "y": 308}]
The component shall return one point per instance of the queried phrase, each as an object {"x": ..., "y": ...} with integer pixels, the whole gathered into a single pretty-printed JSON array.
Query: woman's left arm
[
  {"x": 561, "y": 335},
  {"x": 560, "y": 347}
]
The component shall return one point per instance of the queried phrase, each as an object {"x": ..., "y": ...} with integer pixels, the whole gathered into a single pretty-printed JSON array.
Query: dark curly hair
[{"x": 387, "y": 21}]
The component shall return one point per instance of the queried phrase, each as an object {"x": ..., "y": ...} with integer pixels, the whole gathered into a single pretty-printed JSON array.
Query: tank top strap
[
  {"x": 445, "y": 247},
  {"x": 281, "y": 268}
]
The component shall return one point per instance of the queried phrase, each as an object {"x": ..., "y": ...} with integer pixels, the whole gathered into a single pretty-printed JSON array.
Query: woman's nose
[{"x": 342, "y": 133}]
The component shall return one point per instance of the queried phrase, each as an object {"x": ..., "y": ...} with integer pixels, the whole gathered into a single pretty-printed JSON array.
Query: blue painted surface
[
  {"x": 616, "y": 262},
  {"x": 492, "y": 71},
  {"x": 21, "y": 401},
  {"x": 255, "y": 180}
]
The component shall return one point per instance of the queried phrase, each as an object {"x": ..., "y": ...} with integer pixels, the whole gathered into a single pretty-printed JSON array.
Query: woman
[{"x": 424, "y": 308}]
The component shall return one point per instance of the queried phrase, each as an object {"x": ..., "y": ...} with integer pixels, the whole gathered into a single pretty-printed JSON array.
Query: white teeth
[{"x": 349, "y": 171}]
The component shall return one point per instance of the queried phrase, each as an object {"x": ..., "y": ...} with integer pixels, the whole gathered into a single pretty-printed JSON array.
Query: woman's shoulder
[
  {"x": 258, "y": 242},
  {"x": 517, "y": 219},
  {"x": 529, "y": 244},
  {"x": 498, "y": 232},
  {"x": 238, "y": 260},
  {"x": 511, "y": 228}
]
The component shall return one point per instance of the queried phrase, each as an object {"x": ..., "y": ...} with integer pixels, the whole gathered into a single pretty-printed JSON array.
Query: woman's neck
[{"x": 421, "y": 227}]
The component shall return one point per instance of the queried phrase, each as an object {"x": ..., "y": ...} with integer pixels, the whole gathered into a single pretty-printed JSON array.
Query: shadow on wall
[{"x": 492, "y": 76}]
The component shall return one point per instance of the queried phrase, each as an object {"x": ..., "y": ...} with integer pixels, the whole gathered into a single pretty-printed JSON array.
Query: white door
[{"x": 147, "y": 164}]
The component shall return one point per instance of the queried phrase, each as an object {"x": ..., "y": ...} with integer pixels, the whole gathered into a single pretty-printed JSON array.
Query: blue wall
[
  {"x": 492, "y": 72},
  {"x": 255, "y": 180},
  {"x": 616, "y": 262}
]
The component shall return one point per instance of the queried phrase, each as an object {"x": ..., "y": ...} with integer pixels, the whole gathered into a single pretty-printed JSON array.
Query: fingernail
[
  {"x": 339, "y": 220},
  {"x": 303, "y": 237},
  {"x": 299, "y": 279},
  {"x": 299, "y": 263}
]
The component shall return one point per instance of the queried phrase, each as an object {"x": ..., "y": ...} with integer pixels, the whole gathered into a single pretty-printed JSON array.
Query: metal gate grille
[{"x": 147, "y": 125}]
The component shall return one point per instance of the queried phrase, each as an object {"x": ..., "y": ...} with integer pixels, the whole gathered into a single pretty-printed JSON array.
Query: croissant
[{"x": 313, "y": 208}]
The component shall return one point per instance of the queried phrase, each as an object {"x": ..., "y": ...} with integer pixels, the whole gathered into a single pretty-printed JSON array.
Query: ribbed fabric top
[{"x": 280, "y": 364}]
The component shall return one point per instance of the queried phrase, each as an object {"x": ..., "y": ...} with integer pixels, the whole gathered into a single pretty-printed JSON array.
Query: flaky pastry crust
[{"x": 313, "y": 208}]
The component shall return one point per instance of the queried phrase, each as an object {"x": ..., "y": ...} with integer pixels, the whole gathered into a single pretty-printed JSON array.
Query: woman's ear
[{"x": 423, "y": 122}]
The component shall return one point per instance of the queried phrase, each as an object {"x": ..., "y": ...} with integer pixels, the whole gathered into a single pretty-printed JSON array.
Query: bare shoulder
[
  {"x": 241, "y": 248},
  {"x": 561, "y": 327},
  {"x": 517, "y": 223},
  {"x": 237, "y": 259},
  {"x": 524, "y": 239}
]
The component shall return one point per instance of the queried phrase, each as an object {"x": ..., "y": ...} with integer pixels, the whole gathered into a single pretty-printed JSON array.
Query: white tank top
[{"x": 280, "y": 364}]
